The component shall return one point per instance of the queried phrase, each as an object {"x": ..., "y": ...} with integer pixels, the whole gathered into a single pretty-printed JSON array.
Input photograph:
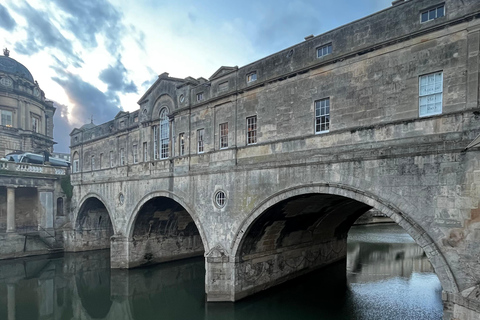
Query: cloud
[
  {"x": 116, "y": 79},
  {"x": 42, "y": 34},
  {"x": 6, "y": 20},
  {"x": 61, "y": 128},
  {"x": 87, "y": 100},
  {"x": 89, "y": 18}
]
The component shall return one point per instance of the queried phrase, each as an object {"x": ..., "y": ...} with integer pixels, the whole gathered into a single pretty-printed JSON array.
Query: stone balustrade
[{"x": 32, "y": 168}]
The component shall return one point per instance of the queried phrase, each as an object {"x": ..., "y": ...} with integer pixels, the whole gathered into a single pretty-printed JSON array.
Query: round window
[
  {"x": 121, "y": 198},
  {"x": 182, "y": 98},
  {"x": 220, "y": 199}
]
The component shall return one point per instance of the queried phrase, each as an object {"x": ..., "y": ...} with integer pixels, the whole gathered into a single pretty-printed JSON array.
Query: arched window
[
  {"x": 164, "y": 133},
  {"x": 60, "y": 206}
]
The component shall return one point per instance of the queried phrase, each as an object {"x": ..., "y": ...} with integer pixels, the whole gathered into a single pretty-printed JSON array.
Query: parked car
[{"x": 35, "y": 158}]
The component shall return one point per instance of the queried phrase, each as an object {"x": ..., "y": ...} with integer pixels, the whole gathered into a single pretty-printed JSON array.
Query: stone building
[
  {"x": 26, "y": 116},
  {"x": 33, "y": 204},
  {"x": 264, "y": 168}
]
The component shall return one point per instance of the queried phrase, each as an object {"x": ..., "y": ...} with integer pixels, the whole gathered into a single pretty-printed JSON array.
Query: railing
[{"x": 32, "y": 168}]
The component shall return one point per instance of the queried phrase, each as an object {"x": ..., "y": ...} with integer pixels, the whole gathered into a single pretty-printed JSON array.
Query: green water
[{"x": 387, "y": 277}]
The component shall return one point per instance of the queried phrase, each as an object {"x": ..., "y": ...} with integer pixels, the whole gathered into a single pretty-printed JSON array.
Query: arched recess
[
  {"x": 326, "y": 213},
  {"x": 93, "y": 224},
  {"x": 163, "y": 228}
]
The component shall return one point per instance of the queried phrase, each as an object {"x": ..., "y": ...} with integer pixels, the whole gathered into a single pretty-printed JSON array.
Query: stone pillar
[
  {"x": 219, "y": 275},
  {"x": 119, "y": 255},
  {"x": 11, "y": 210},
  {"x": 11, "y": 301},
  {"x": 46, "y": 200}
]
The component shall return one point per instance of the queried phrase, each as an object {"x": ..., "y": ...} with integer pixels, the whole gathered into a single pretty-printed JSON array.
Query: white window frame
[
  {"x": 251, "y": 130},
  {"x": 36, "y": 123},
  {"x": 122, "y": 156},
  {"x": 181, "y": 143},
  {"x": 155, "y": 142},
  {"x": 324, "y": 50},
  {"x": 200, "y": 96},
  {"x": 135, "y": 153},
  {"x": 111, "y": 159},
  {"x": 322, "y": 115},
  {"x": 145, "y": 152},
  {"x": 252, "y": 76},
  {"x": 4, "y": 117},
  {"x": 164, "y": 133},
  {"x": 430, "y": 94},
  {"x": 432, "y": 13},
  {"x": 223, "y": 129},
  {"x": 76, "y": 165},
  {"x": 200, "y": 140}
]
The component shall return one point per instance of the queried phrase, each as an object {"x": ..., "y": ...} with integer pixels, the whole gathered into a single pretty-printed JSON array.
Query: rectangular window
[
  {"x": 252, "y": 130},
  {"x": 223, "y": 86},
  {"x": 324, "y": 50},
  {"x": 135, "y": 118},
  {"x": 111, "y": 159},
  {"x": 432, "y": 14},
  {"x": 224, "y": 135},
  {"x": 101, "y": 160},
  {"x": 92, "y": 163},
  {"x": 164, "y": 139},
  {"x": 155, "y": 142},
  {"x": 200, "y": 145},
  {"x": 430, "y": 94},
  {"x": 200, "y": 96},
  {"x": 145, "y": 152},
  {"x": 6, "y": 118},
  {"x": 181, "y": 142},
  {"x": 135, "y": 153},
  {"x": 35, "y": 124},
  {"x": 322, "y": 115},
  {"x": 252, "y": 76},
  {"x": 76, "y": 166},
  {"x": 122, "y": 157}
]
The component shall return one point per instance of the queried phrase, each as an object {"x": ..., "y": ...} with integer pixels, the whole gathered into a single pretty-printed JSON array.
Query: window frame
[
  {"x": 111, "y": 159},
  {"x": 200, "y": 96},
  {"x": 155, "y": 142},
  {"x": 252, "y": 77},
  {"x": 200, "y": 140},
  {"x": 252, "y": 129},
  {"x": 4, "y": 112},
  {"x": 92, "y": 163},
  {"x": 181, "y": 143},
  {"x": 435, "y": 93},
  {"x": 76, "y": 165},
  {"x": 223, "y": 135},
  {"x": 164, "y": 134},
  {"x": 319, "y": 116},
  {"x": 432, "y": 9},
  {"x": 122, "y": 156},
  {"x": 145, "y": 152},
  {"x": 327, "y": 46},
  {"x": 135, "y": 153}
]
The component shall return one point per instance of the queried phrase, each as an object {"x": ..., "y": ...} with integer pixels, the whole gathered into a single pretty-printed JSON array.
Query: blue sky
[{"x": 97, "y": 57}]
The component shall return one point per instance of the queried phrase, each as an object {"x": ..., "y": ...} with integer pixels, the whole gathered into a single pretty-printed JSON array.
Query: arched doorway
[{"x": 163, "y": 230}]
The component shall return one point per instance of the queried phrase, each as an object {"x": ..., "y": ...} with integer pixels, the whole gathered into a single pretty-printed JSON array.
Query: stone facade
[
  {"x": 26, "y": 116},
  {"x": 374, "y": 114}
]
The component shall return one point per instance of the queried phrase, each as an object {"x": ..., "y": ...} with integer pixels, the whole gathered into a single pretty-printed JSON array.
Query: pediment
[
  {"x": 75, "y": 131},
  {"x": 121, "y": 114},
  {"x": 163, "y": 77},
  {"x": 222, "y": 71}
]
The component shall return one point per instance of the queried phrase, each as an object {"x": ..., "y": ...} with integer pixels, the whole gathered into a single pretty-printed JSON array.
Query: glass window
[
  {"x": 224, "y": 135},
  {"x": 430, "y": 94},
  {"x": 433, "y": 13},
  {"x": 220, "y": 199},
  {"x": 135, "y": 153},
  {"x": 145, "y": 152},
  {"x": 181, "y": 141},
  {"x": 200, "y": 136},
  {"x": 6, "y": 118},
  {"x": 155, "y": 142},
  {"x": 111, "y": 159},
  {"x": 252, "y": 130},
  {"x": 76, "y": 166},
  {"x": 322, "y": 115},
  {"x": 252, "y": 76},
  {"x": 200, "y": 96},
  {"x": 35, "y": 124},
  {"x": 324, "y": 50},
  {"x": 164, "y": 133},
  {"x": 122, "y": 157},
  {"x": 92, "y": 163}
]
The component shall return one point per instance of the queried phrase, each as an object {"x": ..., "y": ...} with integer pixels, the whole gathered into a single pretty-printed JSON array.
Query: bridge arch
[
  {"x": 420, "y": 236},
  {"x": 162, "y": 228},
  {"x": 93, "y": 224}
]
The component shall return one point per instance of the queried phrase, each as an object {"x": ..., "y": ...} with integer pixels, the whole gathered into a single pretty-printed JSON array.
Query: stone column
[
  {"x": 11, "y": 301},
  {"x": 11, "y": 210},
  {"x": 119, "y": 255}
]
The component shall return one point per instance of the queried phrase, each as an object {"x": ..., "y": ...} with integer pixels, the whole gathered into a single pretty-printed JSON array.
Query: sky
[{"x": 94, "y": 58}]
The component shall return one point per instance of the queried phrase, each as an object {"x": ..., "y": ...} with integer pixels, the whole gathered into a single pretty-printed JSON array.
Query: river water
[{"x": 387, "y": 277}]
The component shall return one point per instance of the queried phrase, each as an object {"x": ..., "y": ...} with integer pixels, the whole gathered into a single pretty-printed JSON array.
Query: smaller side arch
[
  {"x": 167, "y": 194},
  {"x": 420, "y": 236}
]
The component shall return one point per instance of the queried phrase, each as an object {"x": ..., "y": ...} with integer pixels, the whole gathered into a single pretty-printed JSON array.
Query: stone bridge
[{"x": 264, "y": 168}]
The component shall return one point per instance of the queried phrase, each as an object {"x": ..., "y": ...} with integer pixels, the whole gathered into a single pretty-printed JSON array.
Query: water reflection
[{"x": 384, "y": 281}]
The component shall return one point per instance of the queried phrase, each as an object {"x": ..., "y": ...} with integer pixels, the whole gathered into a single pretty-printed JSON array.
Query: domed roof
[{"x": 12, "y": 66}]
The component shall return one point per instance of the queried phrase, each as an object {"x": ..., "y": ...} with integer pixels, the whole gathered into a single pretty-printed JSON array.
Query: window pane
[
  {"x": 431, "y": 14},
  {"x": 424, "y": 16},
  {"x": 440, "y": 11}
]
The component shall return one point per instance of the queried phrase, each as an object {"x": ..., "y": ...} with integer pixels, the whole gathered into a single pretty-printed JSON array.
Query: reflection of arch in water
[
  {"x": 311, "y": 223},
  {"x": 163, "y": 228},
  {"x": 94, "y": 292}
]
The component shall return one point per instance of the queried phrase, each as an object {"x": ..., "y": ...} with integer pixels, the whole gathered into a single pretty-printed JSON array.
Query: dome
[{"x": 9, "y": 65}]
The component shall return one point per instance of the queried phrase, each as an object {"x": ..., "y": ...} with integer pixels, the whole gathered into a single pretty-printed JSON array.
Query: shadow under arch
[
  {"x": 421, "y": 237},
  {"x": 164, "y": 228},
  {"x": 93, "y": 226}
]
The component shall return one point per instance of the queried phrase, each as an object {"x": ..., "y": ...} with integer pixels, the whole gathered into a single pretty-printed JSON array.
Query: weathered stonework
[{"x": 293, "y": 192}]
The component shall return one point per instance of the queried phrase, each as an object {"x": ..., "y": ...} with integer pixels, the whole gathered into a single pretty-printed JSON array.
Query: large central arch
[{"x": 259, "y": 265}]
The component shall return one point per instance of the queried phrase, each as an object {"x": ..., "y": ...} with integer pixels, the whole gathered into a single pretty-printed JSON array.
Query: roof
[{"x": 12, "y": 66}]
